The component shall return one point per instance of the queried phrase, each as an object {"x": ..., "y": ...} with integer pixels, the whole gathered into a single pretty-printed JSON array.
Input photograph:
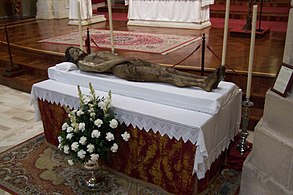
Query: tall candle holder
[
  {"x": 242, "y": 146},
  {"x": 248, "y": 25}
]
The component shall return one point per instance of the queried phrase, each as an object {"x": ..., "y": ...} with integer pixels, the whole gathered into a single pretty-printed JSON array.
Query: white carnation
[
  {"x": 90, "y": 148},
  {"x": 101, "y": 104},
  {"x": 64, "y": 126},
  {"x": 82, "y": 140},
  {"x": 60, "y": 146},
  {"x": 113, "y": 123},
  {"x": 66, "y": 149},
  {"x": 98, "y": 122},
  {"x": 79, "y": 112},
  {"x": 114, "y": 148},
  {"x": 69, "y": 129},
  {"x": 69, "y": 136},
  {"x": 95, "y": 134},
  {"x": 60, "y": 139},
  {"x": 81, "y": 126},
  {"x": 94, "y": 157},
  {"x": 125, "y": 136},
  {"x": 109, "y": 136},
  {"x": 81, "y": 154},
  {"x": 74, "y": 146}
]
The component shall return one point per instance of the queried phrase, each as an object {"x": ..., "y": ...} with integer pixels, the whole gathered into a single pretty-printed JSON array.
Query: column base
[
  {"x": 94, "y": 19},
  {"x": 170, "y": 24}
]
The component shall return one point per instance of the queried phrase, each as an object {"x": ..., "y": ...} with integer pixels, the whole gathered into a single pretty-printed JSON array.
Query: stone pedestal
[
  {"x": 52, "y": 9},
  {"x": 92, "y": 20},
  {"x": 257, "y": 183},
  {"x": 86, "y": 13},
  {"x": 60, "y": 9},
  {"x": 45, "y": 9},
  {"x": 269, "y": 167}
]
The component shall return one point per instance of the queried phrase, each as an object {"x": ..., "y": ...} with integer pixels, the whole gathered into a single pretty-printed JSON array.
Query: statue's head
[{"x": 73, "y": 54}]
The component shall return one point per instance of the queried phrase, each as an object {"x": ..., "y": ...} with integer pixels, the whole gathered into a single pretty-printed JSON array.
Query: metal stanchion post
[
  {"x": 247, "y": 26},
  {"x": 242, "y": 146}
]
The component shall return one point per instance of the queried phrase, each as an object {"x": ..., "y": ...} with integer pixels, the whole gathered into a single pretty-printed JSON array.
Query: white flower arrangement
[{"x": 89, "y": 133}]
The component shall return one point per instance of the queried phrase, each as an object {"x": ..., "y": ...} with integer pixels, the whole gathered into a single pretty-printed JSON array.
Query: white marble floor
[{"x": 17, "y": 123}]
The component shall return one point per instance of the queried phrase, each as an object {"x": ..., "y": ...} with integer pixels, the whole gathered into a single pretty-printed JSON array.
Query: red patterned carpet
[
  {"x": 34, "y": 168},
  {"x": 129, "y": 41}
]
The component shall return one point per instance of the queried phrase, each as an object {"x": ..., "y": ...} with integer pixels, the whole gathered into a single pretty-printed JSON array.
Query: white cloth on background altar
[
  {"x": 190, "y": 11},
  {"x": 210, "y": 133},
  {"x": 85, "y": 9}
]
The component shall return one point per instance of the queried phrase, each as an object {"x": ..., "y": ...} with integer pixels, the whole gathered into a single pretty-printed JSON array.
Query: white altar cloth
[
  {"x": 193, "y": 14},
  {"x": 191, "y": 98},
  {"x": 210, "y": 133}
]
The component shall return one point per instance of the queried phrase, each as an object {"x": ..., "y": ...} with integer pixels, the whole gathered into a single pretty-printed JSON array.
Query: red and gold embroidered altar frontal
[{"x": 147, "y": 156}]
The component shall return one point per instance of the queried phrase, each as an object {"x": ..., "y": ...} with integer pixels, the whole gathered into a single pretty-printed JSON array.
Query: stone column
[{"x": 288, "y": 51}]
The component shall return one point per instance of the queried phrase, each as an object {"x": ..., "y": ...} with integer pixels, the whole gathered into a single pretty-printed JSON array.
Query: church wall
[
  {"x": 24, "y": 8},
  {"x": 29, "y": 8},
  {"x": 5, "y": 9}
]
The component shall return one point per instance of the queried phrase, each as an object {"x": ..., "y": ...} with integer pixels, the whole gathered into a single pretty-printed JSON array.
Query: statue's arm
[{"x": 101, "y": 67}]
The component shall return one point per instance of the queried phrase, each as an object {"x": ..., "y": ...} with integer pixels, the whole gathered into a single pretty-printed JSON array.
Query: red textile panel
[{"x": 98, "y": 1}]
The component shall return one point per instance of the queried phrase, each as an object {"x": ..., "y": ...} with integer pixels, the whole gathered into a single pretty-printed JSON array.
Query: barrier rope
[
  {"x": 232, "y": 69},
  {"x": 95, "y": 44},
  {"x": 186, "y": 56},
  {"x": 210, "y": 49}
]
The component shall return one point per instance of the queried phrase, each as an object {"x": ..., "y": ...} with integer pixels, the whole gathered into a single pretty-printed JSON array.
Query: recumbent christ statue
[{"x": 133, "y": 69}]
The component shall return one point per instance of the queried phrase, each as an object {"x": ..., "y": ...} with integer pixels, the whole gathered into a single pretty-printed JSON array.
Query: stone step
[
  {"x": 241, "y": 12},
  {"x": 272, "y": 3}
]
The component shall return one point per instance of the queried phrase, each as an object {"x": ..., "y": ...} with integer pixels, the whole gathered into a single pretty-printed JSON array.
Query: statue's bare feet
[
  {"x": 220, "y": 74},
  {"x": 210, "y": 82}
]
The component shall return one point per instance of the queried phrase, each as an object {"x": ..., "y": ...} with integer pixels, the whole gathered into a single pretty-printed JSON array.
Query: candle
[
  {"x": 251, "y": 53},
  {"x": 225, "y": 33},
  {"x": 79, "y": 25},
  {"x": 111, "y": 25}
]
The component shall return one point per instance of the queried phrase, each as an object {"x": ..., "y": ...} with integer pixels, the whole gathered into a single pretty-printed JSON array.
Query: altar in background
[
  {"x": 86, "y": 13},
  {"x": 191, "y": 14}
]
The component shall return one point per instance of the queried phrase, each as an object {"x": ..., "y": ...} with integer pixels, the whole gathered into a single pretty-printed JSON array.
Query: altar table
[
  {"x": 192, "y": 14},
  {"x": 168, "y": 143}
]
